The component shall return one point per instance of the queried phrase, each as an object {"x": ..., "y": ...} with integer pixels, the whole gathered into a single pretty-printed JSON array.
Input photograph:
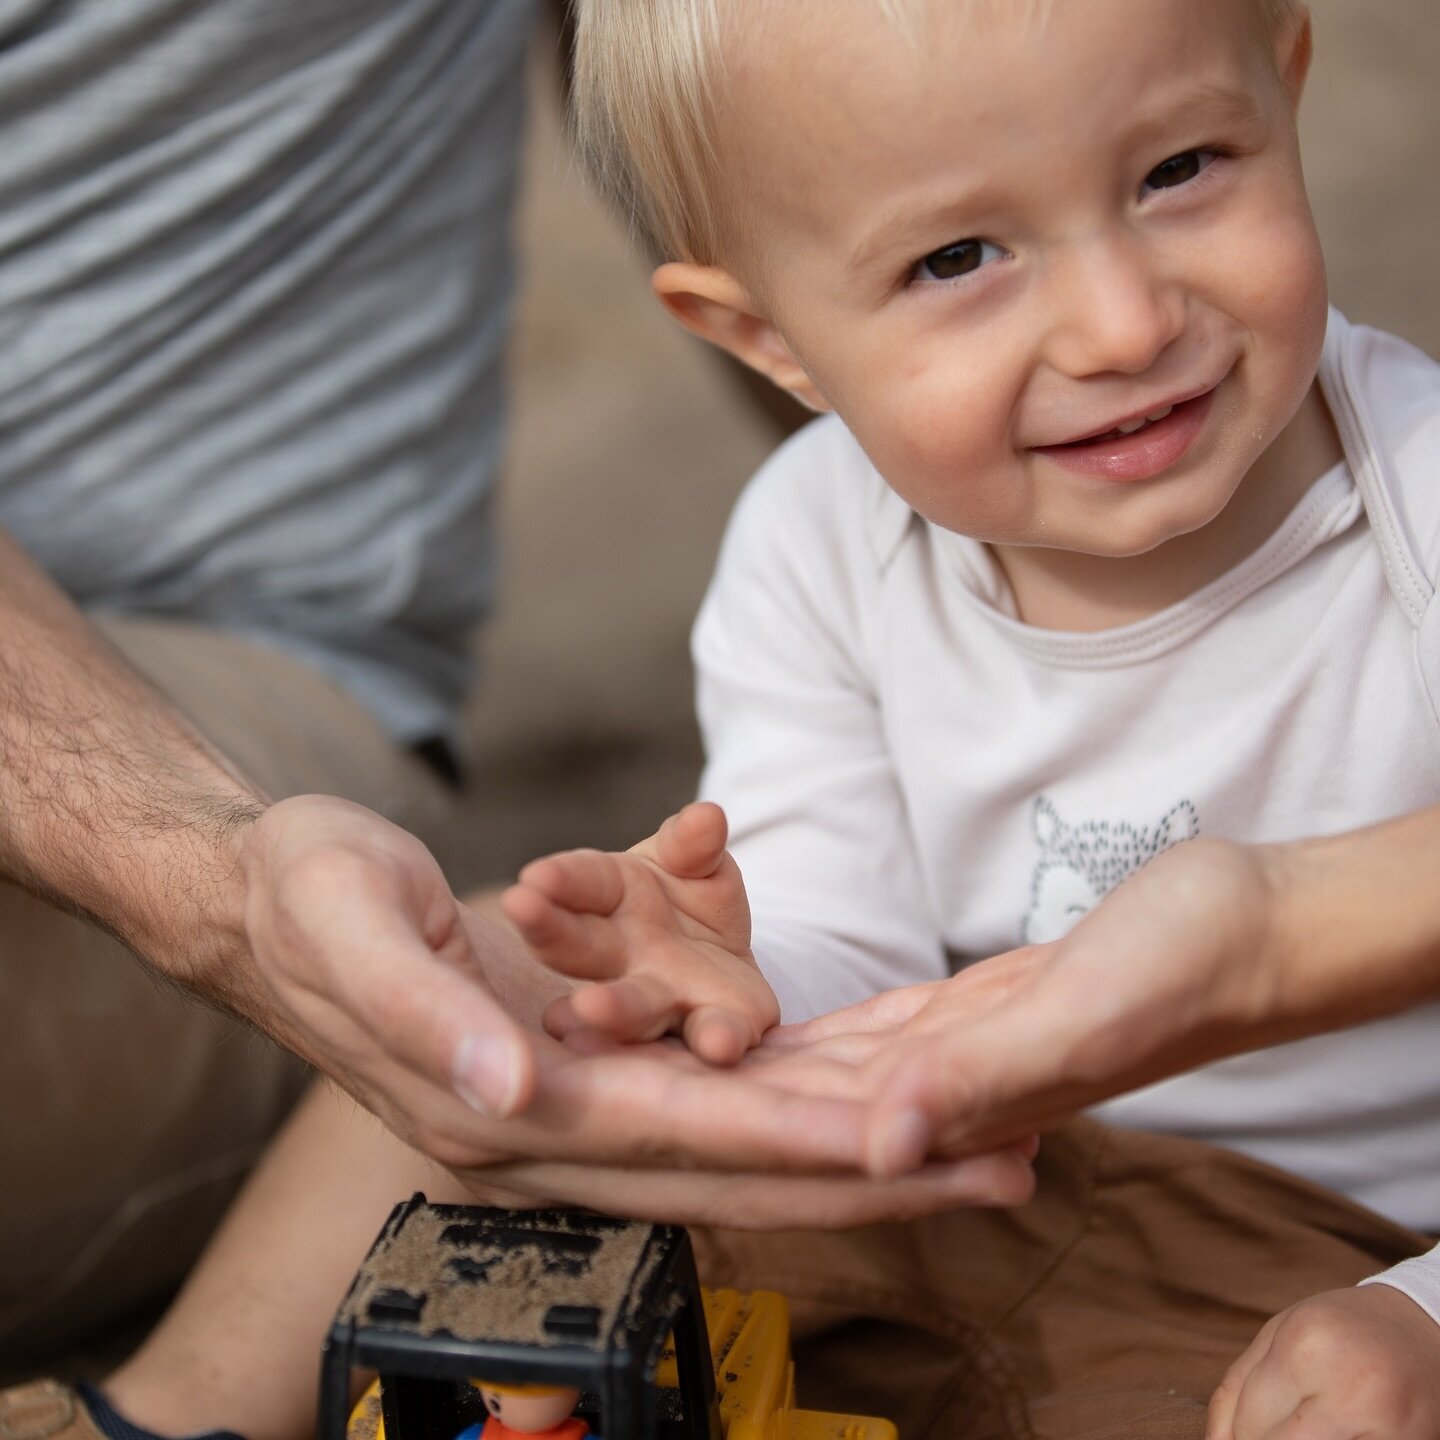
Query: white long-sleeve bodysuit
[{"x": 915, "y": 779}]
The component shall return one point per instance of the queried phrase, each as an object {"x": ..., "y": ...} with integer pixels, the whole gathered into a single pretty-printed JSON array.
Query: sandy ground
[{"x": 630, "y": 445}]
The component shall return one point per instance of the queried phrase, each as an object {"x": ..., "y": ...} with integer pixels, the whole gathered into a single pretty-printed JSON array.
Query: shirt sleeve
[
  {"x": 1418, "y": 1278},
  {"x": 795, "y": 738}
]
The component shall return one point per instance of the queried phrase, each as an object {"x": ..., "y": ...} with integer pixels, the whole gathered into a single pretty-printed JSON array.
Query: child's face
[{"x": 1026, "y": 233}]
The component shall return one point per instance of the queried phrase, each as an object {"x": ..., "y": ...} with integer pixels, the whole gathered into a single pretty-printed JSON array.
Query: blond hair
[{"x": 644, "y": 91}]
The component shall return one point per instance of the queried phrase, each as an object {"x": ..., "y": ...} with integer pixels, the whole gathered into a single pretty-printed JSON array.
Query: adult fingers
[
  {"x": 771, "y": 1202},
  {"x": 657, "y": 1108},
  {"x": 883, "y": 1012},
  {"x": 628, "y": 1111},
  {"x": 941, "y": 1004},
  {"x": 808, "y": 1072},
  {"x": 853, "y": 1049},
  {"x": 424, "y": 1011},
  {"x": 644, "y": 1111},
  {"x": 1032, "y": 1061},
  {"x": 355, "y": 933}
]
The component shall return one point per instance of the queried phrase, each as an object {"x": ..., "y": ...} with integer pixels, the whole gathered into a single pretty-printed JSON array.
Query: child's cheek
[
  {"x": 1288, "y": 314},
  {"x": 1285, "y": 275},
  {"x": 942, "y": 442},
  {"x": 1273, "y": 274}
]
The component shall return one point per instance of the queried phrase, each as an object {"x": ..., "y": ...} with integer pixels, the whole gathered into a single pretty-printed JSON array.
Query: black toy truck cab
[{"x": 565, "y": 1298}]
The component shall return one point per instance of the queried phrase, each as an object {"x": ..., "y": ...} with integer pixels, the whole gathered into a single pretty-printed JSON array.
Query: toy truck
[{"x": 530, "y": 1298}]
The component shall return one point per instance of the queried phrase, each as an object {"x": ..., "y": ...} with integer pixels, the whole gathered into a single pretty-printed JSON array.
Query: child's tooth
[
  {"x": 1132, "y": 427},
  {"x": 1159, "y": 414}
]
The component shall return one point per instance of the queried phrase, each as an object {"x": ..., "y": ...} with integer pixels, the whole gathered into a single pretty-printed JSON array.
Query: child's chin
[{"x": 1152, "y": 534}]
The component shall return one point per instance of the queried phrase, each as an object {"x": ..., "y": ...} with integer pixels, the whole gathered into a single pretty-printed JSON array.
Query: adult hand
[
  {"x": 764, "y": 1201},
  {"x": 1211, "y": 950},
  {"x": 1181, "y": 965},
  {"x": 361, "y": 960},
  {"x": 364, "y": 962},
  {"x": 1338, "y": 1366},
  {"x": 678, "y": 1087},
  {"x": 1177, "y": 967}
]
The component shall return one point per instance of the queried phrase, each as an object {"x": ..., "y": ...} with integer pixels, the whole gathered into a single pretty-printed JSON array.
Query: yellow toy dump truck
[{"x": 560, "y": 1298}]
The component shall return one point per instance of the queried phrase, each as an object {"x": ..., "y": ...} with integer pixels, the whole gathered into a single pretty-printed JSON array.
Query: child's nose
[{"x": 1112, "y": 310}]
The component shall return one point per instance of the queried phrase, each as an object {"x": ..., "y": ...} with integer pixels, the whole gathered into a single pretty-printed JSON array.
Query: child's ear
[
  {"x": 1294, "y": 50},
  {"x": 717, "y": 307}
]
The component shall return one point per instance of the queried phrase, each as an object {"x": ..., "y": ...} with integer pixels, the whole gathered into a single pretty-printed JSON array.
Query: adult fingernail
[
  {"x": 487, "y": 1074},
  {"x": 900, "y": 1144}
]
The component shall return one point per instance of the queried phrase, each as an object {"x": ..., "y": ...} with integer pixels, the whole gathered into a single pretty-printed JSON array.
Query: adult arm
[
  {"x": 308, "y": 918},
  {"x": 334, "y": 931},
  {"x": 1211, "y": 950},
  {"x": 110, "y": 804}
]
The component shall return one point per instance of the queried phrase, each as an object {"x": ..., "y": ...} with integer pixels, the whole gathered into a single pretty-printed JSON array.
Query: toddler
[{"x": 1115, "y": 537}]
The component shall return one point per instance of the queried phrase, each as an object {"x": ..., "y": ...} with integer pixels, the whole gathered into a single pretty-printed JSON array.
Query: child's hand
[
  {"x": 665, "y": 928},
  {"x": 1338, "y": 1366}
]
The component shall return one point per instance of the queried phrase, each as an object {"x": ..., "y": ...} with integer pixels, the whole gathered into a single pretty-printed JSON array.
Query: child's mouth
[
  {"x": 1139, "y": 449},
  {"x": 1134, "y": 428}
]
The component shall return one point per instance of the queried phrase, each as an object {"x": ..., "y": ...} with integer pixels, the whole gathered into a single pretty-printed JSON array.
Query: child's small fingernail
[
  {"x": 900, "y": 1145},
  {"x": 487, "y": 1074}
]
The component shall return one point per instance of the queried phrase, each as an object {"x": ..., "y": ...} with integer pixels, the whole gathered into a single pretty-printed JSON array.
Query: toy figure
[{"x": 519, "y": 1411}]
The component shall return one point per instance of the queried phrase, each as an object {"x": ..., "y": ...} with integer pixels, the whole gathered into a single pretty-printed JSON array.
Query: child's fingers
[
  {"x": 637, "y": 1008},
  {"x": 560, "y": 1019},
  {"x": 589, "y": 882},
  {"x": 1220, "y": 1419},
  {"x": 691, "y": 843},
  {"x": 583, "y": 946},
  {"x": 632, "y": 1008},
  {"x": 1270, "y": 1406},
  {"x": 719, "y": 1035},
  {"x": 591, "y": 1043}
]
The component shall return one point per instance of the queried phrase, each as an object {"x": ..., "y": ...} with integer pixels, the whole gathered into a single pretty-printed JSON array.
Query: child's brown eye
[
  {"x": 951, "y": 262},
  {"x": 1177, "y": 170}
]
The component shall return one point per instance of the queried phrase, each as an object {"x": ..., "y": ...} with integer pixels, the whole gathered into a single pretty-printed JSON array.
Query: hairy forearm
[
  {"x": 1358, "y": 920},
  {"x": 110, "y": 803}
]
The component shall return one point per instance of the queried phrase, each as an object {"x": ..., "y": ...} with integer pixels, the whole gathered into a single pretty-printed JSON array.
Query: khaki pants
[
  {"x": 1110, "y": 1306},
  {"x": 130, "y": 1114}
]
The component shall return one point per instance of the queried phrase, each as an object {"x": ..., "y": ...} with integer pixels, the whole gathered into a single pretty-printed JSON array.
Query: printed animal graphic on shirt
[{"x": 1081, "y": 864}]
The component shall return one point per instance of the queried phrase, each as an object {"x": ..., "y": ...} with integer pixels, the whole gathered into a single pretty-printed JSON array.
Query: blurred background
[{"x": 630, "y": 443}]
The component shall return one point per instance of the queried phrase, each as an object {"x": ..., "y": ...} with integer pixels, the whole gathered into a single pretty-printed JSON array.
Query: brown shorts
[
  {"x": 130, "y": 1115},
  {"x": 1110, "y": 1306}
]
